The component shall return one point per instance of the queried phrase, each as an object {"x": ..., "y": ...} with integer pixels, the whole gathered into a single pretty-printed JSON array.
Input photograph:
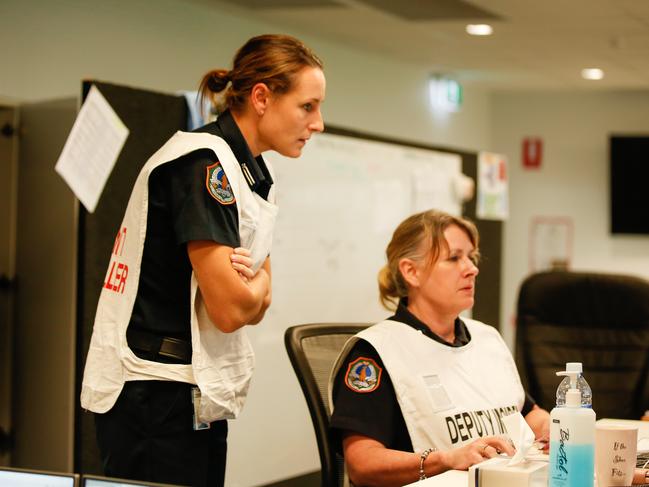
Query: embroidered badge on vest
[
  {"x": 363, "y": 375},
  {"x": 218, "y": 185}
]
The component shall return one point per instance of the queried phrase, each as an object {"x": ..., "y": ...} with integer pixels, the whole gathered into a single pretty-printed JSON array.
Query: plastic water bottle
[
  {"x": 572, "y": 439},
  {"x": 582, "y": 386}
]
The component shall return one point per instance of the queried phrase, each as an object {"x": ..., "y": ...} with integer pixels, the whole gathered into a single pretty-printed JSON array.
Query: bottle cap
[{"x": 574, "y": 367}]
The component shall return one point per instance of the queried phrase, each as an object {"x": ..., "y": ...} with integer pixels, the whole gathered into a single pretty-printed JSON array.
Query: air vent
[
  {"x": 271, "y": 4},
  {"x": 432, "y": 9}
]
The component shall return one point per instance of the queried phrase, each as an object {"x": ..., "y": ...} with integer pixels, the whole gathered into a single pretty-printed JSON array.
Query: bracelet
[{"x": 422, "y": 459}]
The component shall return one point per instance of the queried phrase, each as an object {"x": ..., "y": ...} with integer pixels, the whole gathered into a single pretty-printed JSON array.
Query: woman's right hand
[{"x": 478, "y": 451}]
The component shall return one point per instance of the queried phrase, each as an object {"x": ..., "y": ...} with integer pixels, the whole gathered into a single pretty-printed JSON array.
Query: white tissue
[{"x": 521, "y": 434}]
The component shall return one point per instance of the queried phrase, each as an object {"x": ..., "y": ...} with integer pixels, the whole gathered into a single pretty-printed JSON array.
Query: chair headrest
[{"x": 585, "y": 299}]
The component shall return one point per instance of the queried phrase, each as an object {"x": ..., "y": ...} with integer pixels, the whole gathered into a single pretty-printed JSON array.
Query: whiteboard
[{"x": 338, "y": 206}]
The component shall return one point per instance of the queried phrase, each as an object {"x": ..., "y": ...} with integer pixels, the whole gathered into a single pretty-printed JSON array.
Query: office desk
[{"x": 452, "y": 478}]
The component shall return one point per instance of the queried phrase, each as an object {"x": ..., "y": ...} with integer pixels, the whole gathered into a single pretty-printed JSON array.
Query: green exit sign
[{"x": 445, "y": 94}]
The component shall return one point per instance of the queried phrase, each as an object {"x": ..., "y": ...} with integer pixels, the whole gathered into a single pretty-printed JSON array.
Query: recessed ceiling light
[
  {"x": 592, "y": 73},
  {"x": 479, "y": 29}
]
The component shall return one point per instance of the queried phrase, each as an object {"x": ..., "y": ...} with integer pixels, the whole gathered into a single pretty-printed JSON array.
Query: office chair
[
  {"x": 313, "y": 349},
  {"x": 601, "y": 320}
]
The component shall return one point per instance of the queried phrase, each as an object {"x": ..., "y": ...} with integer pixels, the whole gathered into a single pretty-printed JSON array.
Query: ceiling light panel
[{"x": 479, "y": 29}]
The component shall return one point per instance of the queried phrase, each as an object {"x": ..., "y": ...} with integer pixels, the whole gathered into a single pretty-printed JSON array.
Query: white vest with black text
[{"x": 449, "y": 396}]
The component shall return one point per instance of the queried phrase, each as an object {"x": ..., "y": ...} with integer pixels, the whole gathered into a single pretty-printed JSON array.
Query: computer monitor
[
  {"x": 629, "y": 172},
  {"x": 98, "y": 481},
  {"x": 16, "y": 477}
]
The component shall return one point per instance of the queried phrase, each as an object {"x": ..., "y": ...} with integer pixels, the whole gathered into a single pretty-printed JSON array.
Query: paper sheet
[
  {"x": 493, "y": 199},
  {"x": 92, "y": 148}
]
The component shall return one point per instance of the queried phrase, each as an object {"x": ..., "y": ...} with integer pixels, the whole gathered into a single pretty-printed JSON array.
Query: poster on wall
[
  {"x": 493, "y": 200},
  {"x": 550, "y": 243}
]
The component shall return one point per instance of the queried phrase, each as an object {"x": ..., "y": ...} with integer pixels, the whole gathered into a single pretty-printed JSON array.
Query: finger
[
  {"x": 490, "y": 452},
  {"x": 482, "y": 449},
  {"x": 501, "y": 445},
  {"x": 242, "y": 251},
  {"x": 542, "y": 443},
  {"x": 243, "y": 270},
  {"x": 471, "y": 457},
  {"x": 241, "y": 259}
]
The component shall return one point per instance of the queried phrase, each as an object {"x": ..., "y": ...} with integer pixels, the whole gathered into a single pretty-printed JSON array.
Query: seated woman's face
[{"x": 449, "y": 284}]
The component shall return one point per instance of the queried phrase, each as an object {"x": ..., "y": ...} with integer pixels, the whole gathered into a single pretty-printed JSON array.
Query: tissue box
[{"x": 495, "y": 473}]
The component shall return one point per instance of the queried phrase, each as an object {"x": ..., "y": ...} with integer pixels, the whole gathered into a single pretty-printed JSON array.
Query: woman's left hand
[
  {"x": 242, "y": 263},
  {"x": 539, "y": 421}
]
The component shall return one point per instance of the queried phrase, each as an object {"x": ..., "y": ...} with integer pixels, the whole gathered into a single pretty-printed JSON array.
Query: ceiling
[{"x": 536, "y": 44}]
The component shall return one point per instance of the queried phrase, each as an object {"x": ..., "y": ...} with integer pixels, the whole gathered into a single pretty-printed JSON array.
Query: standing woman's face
[{"x": 290, "y": 119}]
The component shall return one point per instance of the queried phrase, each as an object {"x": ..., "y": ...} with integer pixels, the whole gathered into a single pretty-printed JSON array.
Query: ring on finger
[{"x": 484, "y": 447}]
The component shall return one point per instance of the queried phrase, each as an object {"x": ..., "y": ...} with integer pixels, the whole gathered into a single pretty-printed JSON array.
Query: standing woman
[{"x": 169, "y": 361}]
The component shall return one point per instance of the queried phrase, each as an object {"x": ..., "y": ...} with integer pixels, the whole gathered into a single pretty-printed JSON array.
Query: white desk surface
[
  {"x": 452, "y": 478},
  {"x": 459, "y": 478}
]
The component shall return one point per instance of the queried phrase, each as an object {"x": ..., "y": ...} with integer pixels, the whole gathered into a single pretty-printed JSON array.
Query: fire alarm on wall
[{"x": 532, "y": 152}]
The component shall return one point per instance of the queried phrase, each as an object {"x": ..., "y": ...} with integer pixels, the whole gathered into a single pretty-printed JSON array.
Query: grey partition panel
[
  {"x": 8, "y": 202},
  {"x": 45, "y": 332},
  {"x": 151, "y": 119}
]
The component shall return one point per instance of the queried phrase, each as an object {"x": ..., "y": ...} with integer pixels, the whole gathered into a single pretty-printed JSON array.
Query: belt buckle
[{"x": 174, "y": 348}]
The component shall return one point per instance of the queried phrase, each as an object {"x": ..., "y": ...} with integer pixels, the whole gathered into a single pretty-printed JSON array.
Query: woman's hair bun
[{"x": 216, "y": 80}]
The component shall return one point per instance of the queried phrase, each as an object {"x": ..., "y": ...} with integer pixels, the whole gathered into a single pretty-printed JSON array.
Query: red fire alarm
[{"x": 532, "y": 152}]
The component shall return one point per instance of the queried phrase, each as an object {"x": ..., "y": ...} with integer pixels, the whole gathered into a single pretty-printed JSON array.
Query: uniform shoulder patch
[
  {"x": 363, "y": 375},
  {"x": 218, "y": 185}
]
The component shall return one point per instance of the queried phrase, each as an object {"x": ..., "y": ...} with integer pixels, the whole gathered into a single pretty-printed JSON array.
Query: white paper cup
[{"x": 615, "y": 454}]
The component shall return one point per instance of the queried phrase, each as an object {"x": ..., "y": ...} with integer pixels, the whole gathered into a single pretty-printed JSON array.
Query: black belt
[{"x": 156, "y": 345}]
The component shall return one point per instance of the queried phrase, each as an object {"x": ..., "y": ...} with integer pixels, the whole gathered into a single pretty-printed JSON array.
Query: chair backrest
[
  {"x": 601, "y": 320},
  {"x": 313, "y": 349}
]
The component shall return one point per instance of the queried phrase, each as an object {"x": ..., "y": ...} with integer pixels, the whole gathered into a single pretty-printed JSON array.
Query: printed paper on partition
[
  {"x": 92, "y": 148},
  {"x": 493, "y": 200}
]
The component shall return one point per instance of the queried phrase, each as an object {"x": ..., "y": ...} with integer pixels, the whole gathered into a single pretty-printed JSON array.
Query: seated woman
[{"x": 425, "y": 380}]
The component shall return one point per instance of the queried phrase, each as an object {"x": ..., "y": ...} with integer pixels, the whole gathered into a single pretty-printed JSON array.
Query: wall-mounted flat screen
[{"x": 629, "y": 184}]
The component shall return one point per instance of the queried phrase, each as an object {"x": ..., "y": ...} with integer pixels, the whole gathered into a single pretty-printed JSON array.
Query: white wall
[
  {"x": 166, "y": 45},
  {"x": 573, "y": 181}
]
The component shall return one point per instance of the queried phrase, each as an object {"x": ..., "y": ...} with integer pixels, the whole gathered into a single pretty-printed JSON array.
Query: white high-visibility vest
[
  {"x": 449, "y": 396},
  {"x": 222, "y": 363}
]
